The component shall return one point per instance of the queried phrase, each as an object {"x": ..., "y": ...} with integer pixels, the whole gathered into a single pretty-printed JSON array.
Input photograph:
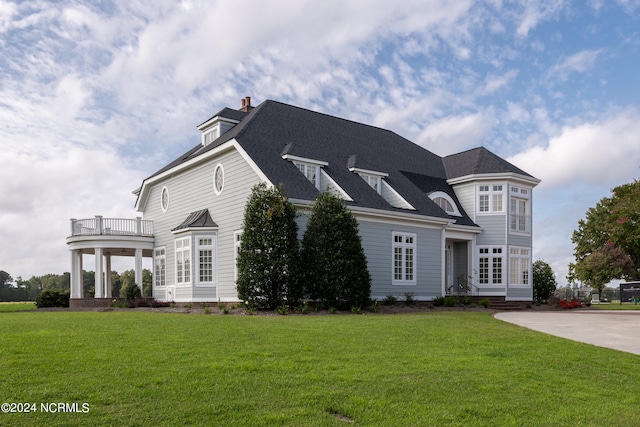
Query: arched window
[{"x": 445, "y": 202}]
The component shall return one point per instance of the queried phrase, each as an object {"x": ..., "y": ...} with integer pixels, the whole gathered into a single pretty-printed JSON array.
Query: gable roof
[{"x": 274, "y": 129}]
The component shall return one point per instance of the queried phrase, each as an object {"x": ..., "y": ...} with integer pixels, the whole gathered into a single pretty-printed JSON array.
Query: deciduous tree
[{"x": 607, "y": 241}]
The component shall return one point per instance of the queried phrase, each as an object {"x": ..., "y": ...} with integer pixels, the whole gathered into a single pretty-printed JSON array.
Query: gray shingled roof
[
  {"x": 200, "y": 219},
  {"x": 478, "y": 161},
  {"x": 273, "y": 129}
]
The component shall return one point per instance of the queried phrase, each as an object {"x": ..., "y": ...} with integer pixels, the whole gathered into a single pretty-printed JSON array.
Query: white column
[
  {"x": 138, "y": 269},
  {"x": 76, "y": 274},
  {"x": 107, "y": 276},
  {"x": 99, "y": 271}
]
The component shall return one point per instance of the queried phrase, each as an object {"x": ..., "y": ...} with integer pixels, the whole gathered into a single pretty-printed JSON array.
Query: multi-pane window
[
  {"x": 490, "y": 198},
  {"x": 237, "y": 241},
  {"x": 160, "y": 266},
  {"x": 519, "y": 218},
  {"x": 519, "y": 261},
  {"x": 310, "y": 171},
  {"x": 496, "y": 264},
  {"x": 444, "y": 204},
  {"x": 206, "y": 252},
  {"x": 404, "y": 258},
  {"x": 183, "y": 260},
  {"x": 490, "y": 266},
  {"x": 483, "y": 277},
  {"x": 211, "y": 135},
  {"x": 373, "y": 181}
]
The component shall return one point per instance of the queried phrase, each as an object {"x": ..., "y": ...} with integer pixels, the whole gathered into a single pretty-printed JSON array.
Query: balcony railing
[{"x": 111, "y": 226}]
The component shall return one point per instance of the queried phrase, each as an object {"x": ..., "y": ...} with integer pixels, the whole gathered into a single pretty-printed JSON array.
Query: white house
[{"x": 428, "y": 224}]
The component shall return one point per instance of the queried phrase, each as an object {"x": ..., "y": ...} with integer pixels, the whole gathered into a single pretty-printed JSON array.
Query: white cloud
[
  {"x": 457, "y": 133},
  {"x": 7, "y": 11},
  {"x": 535, "y": 12},
  {"x": 493, "y": 83},
  {"x": 603, "y": 153},
  {"x": 578, "y": 62}
]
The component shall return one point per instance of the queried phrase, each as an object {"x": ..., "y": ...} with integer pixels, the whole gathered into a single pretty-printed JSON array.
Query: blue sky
[{"x": 95, "y": 96}]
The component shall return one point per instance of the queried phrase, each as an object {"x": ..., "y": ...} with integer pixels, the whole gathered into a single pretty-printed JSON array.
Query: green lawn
[
  {"x": 16, "y": 306},
  {"x": 616, "y": 306},
  {"x": 433, "y": 368}
]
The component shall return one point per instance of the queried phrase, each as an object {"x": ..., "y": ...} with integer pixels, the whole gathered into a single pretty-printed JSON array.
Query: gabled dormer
[
  {"x": 221, "y": 122},
  {"x": 313, "y": 170},
  {"x": 376, "y": 181}
]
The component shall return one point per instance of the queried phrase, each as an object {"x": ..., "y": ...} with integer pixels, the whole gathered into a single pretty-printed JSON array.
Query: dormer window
[
  {"x": 373, "y": 178},
  {"x": 373, "y": 181},
  {"x": 211, "y": 135},
  {"x": 310, "y": 171},
  {"x": 309, "y": 167},
  {"x": 445, "y": 202}
]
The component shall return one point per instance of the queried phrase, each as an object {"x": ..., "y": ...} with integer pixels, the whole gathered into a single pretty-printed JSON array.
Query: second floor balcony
[{"x": 100, "y": 226}]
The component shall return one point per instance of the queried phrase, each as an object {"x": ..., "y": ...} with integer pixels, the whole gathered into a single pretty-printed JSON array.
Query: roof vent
[{"x": 246, "y": 104}]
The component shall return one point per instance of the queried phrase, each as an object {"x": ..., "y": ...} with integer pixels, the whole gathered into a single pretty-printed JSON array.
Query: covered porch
[{"x": 105, "y": 238}]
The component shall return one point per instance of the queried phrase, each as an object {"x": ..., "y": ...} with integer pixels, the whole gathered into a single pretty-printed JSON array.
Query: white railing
[{"x": 111, "y": 226}]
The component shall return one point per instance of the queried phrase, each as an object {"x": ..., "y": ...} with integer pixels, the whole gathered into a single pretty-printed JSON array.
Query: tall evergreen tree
[
  {"x": 268, "y": 256},
  {"x": 335, "y": 267},
  {"x": 544, "y": 281}
]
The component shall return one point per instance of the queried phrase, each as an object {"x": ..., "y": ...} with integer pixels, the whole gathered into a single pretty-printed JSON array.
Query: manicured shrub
[
  {"x": 484, "y": 302},
  {"x": 268, "y": 256},
  {"x": 389, "y": 300},
  {"x": 335, "y": 267},
  {"x": 438, "y": 301},
  {"x": 52, "y": 298},
  {"x": 569, "y": 304},
  {"x": 409, "y": 300},
  {"x": 450, "y": 301}
]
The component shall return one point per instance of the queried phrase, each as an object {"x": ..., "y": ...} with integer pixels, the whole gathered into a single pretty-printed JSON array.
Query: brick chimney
[{"x": 246, "y": 104}]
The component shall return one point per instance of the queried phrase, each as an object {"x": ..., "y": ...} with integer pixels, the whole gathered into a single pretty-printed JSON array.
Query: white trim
[
  {"x": 504, "y": 272},
  {"x": 214, "y": 120},
  {"x": 237, "y": 241},
  {"x": 191, "y": 230},
  {"x": 527, "y": 180},
  {"x": 217, "y": 190},
  {"x": 441, "y": 194},
  {"x": 404, "y": 246},
  {"x": 164, "y": 191},
  {"x": 293, "y": 158},
  {"x": 388, "y": 217},
  {"x": 157, "y": 257},
  {"x": 145, "y": 189},
  {"x": 335, "y": 186},
  {"x": 519, "y": 257},
  {"x": 184, "y": 248},
  {"x": 403, "y": 202},
  {"x": 214, "y": 256},
  {"x": 369, "y": 172}
]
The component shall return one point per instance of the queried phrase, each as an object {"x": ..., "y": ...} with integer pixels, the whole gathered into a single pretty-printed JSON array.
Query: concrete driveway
[{"x": 619, "y": 330}]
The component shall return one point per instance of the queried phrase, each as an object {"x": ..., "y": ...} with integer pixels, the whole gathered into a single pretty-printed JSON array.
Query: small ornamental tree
[
  {"x": 335, "y": 267},
  {"x": 268, "y": 255},
  {"x": 544, "y": 281}
]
